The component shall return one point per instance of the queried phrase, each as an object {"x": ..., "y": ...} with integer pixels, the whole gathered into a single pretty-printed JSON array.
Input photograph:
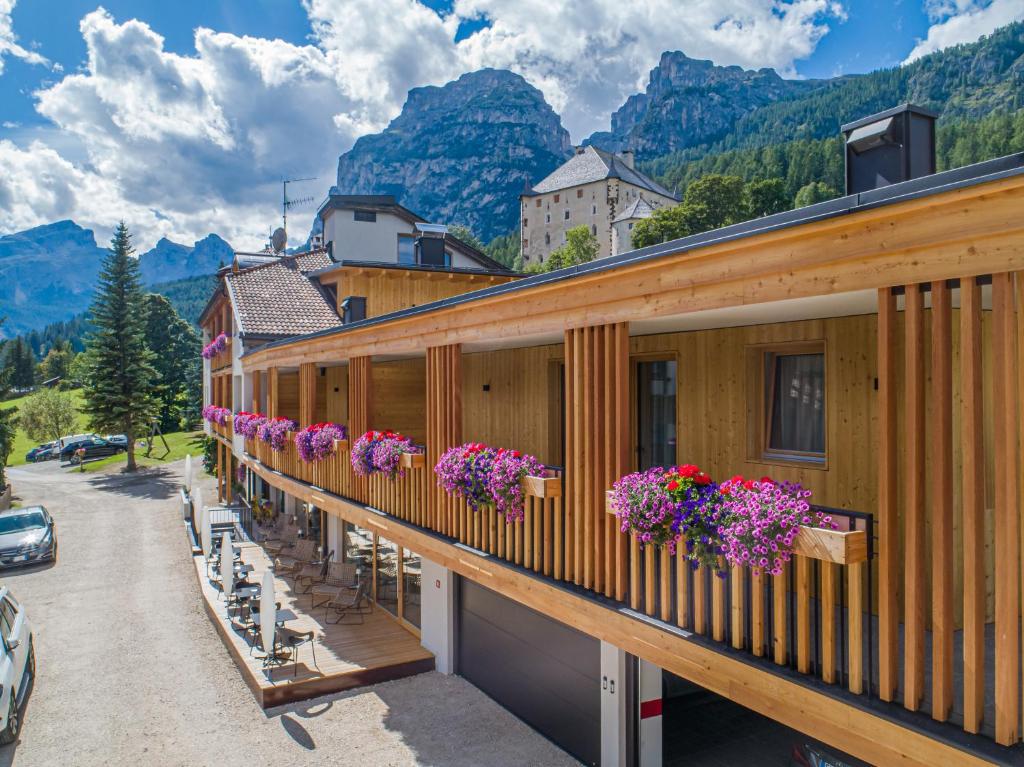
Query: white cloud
[
  {"x": 9, "y": 41},
  {"x": 962, "y": 21},
  {"x": 181, "y": 145}
]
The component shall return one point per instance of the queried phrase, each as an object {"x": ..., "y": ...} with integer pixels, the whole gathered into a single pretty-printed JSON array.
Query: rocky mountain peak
[{"x": 461, "y": 152}]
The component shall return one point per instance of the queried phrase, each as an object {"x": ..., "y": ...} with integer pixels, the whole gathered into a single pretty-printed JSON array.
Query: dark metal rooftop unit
[
  {"x": 889, "y": 147},
  {"x": 431, "y": 250},
  {"x": 353, "y": 309}
]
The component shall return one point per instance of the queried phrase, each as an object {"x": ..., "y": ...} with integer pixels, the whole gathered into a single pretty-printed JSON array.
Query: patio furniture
[
  {"x": 293, "y": 640},
  {"x": 288, "y": 537},
  {"x": 353, "y": 606},
  {"x": 254, "y": 626},
  {"x": 313, "y": 573},
  {"x": 341, "y": 576},
  {"x": 302, "y": 554}
]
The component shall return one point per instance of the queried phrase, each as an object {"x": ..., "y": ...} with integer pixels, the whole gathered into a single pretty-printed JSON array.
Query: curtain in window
[{"x": 798, "y": 404}]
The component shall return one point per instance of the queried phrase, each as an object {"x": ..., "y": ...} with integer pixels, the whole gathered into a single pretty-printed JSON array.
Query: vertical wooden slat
[
  {"x": 914, "y": 499},
  {"x": 779, "y": 630},
  {"x": 650, "y": 552},
  {"x": 855, "y": 630},
  {"x": 609, "y": 476},
  {"x": 622, "y": 442},
  {"x": 700, "y": 613},
  {"x": 1007, "y": 548},
  {"x": 889, "y": 559},
  {"x": 829, "y": 573},
  {"x": 718, "y": 605},
  {"x": 940, "y": 442},
  {"x": 757, "y": 612},
  {"x": 665, "y": 581},
  {"x": 307, "y": 394},
  {"x": 682, "y": 584},
  {"x": 737, "y": 608},
  {"x": 563, "y": 566},
  {"x": 803, "y": 614},
  {"x": 578, "y": 456},
  {"x": 257, "y": 379},
  {"x": 272, "y": 393},
  {"x": 586, "y": 446}
]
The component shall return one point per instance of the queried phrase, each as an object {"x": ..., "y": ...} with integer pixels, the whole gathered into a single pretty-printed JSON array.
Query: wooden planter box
[
  {"x": 542, "y": 487},
  {"x": 341, "y": 445},
  {"x": 413, "y": 461},
  {"x": 839, "y": 546}
]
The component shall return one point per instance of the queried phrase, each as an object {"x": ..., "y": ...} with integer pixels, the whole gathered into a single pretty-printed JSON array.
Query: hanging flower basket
[
  {"x": 317, "y": 442},
  {"x": 275, "y": 432},
  {"x": 487, "y": 476},
  {"x": 843, "y": 547},
  {"x": 248, "y": 424},
  {"x": 382, "y": 452},
  {"x": 217, "y": 415},
  {"x": 216, "y": 346}
]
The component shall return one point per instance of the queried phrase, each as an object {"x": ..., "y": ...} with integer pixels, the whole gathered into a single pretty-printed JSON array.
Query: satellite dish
[{"x": 279, "y": 239}]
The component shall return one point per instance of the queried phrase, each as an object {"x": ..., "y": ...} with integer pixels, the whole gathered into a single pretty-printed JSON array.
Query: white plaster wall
[{"x": 437, "y": 632}]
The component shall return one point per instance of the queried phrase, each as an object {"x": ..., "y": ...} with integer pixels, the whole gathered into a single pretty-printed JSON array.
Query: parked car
[
  {"x": 42, "y": 452},
  {"x": 27, "y": 536},
  {"x": 94, "y": 447},
  {"x": 63, "y": 442},
  {"x": 17, "y": 664},
  {"x": 117, "y": 439}
]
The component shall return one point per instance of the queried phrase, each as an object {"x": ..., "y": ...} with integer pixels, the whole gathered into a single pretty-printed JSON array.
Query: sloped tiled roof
[
  {"x": 279, "y": 299},
  {"x": 639, "y": 208},
  {"x": 593, "y": 164}
]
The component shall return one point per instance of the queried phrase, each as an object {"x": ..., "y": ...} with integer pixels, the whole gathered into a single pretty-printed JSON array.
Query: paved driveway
[{"x": 131, "y": 672}]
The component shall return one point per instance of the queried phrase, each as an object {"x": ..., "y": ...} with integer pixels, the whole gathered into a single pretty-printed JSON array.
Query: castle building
[{"x": 593, "y": 188}]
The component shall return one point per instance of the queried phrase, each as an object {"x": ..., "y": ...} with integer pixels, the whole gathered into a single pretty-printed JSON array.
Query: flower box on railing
[
  {"x": 341, "y": 445},
  {"x": 412, "y": 461},
  {"x": 548, "y": 486},
  {"x": 843, "y": 547}
]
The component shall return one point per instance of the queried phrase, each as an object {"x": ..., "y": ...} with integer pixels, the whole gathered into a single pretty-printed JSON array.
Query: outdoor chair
[
  {"x": 341, "y": 577},
  {"x": 293, "y": 640},
  {"x": 353, "y": 606},
  {"x": 287, "y": 539},
  {"x": 313, "y": 573},
  {"x": 302, "y": 554},
  {"x": 254, "y": 609}
]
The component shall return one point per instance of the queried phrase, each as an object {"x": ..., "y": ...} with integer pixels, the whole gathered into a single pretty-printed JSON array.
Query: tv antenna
[{"x": 286, "y": 204}]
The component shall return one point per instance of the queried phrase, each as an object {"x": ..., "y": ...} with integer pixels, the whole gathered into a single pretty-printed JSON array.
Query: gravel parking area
[{"x": 130, "y": 671}]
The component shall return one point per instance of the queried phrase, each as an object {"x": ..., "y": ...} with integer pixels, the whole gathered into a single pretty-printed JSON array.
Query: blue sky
[{"x": 183, "y": 116}]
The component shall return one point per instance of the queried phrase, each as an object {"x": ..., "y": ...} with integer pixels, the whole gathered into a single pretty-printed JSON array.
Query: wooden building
[{"x": 867, "y": 347}]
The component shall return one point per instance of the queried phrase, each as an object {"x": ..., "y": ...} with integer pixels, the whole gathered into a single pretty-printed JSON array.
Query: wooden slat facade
[{"x": 444, "y": 427}]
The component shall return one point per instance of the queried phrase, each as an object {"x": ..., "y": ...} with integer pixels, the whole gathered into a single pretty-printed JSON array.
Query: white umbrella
[
  {"x": 227, "y": 566},
  {"x": 207, "y": 533},
  {"x": 268, "y": 612},
  {"x": 188, "y": 473}
]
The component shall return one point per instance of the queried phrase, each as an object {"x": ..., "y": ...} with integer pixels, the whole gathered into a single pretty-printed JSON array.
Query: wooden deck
[{"x": 347, "y": 655}]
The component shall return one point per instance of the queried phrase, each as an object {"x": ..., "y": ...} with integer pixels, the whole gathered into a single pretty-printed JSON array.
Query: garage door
[{"x": 544, "y": 672}]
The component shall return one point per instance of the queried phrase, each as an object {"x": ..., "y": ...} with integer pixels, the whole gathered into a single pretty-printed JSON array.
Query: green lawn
[{"x": 22, "y": 444}]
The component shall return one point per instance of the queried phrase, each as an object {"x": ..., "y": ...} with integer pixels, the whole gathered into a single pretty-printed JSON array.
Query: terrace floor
[{"x": 348, "y": 655}]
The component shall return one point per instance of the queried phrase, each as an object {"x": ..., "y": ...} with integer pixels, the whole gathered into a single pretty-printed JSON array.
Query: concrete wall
[{"x": 437, "y": 632}]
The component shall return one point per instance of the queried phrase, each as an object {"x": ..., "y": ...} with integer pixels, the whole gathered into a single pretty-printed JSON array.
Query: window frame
[
  {"x": 368, "y": 216},
  {"x": 760, "y": 405}
]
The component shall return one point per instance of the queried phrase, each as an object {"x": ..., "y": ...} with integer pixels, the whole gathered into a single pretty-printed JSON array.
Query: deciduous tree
[{"x": 47, "y": 415}]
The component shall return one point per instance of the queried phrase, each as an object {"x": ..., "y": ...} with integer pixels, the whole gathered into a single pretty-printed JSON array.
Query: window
[
  {"x": 406, "y": 249},
  {"x": 593, "y": 229},
  {"x": 567, "y": 215},
  {"x": 547, "y": 238},
  {"x": 547, "y": 218},
  {"x": 411, "y": 586},
  {"x": 538, "y": 202},
  {"x": 793, "y": 414},
  {"x": 364, "y": 215},
  {"x": 387, "y": 576},
  {"x": 556, "y": 198},
  {"x": 631, "y": 226},
  {"x": 526, "y": 223},
  {"x": 593, "y": 210},
  {"x": 8, "y": 615},
  {"x": 656, "y": 413},
  {"x": 526, "y": 243},
  {"x": 579, "y": 193}
]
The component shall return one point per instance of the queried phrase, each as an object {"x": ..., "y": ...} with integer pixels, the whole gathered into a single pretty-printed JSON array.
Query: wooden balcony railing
[
  {"x": 223, "y": 358},
  {"x": 225, "y": 430}
]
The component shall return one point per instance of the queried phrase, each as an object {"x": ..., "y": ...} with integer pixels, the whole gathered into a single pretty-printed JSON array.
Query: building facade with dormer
[{"x": 590, "y": 189}]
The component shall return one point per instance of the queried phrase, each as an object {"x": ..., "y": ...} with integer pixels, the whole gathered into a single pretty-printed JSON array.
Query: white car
[{"x": 17, "y": 664}]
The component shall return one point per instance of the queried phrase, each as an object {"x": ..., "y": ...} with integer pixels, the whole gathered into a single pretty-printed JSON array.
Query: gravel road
[{"x": 130, "y": 671}]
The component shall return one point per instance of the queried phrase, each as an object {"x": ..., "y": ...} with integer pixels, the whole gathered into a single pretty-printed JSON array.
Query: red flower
[
  {"x": 673, "y": 485},
  {"x": 688, "y": 471},
  {"x": 767, "y": 480},
  {"x": 701, "y": 478}
]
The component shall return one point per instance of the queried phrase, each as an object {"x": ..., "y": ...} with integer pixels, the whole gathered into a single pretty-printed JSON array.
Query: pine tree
[
  {"x": 120, "y": 377},
  {"x": 20, "y": 364},
  {"x": 178, "y": 363}
]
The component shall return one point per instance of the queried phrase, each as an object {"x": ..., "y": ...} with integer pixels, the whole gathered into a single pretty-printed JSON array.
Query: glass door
[{"x": 656, "y": 413}]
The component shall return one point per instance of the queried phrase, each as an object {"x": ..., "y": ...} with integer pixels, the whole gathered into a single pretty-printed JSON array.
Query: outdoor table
[
  {"x": 241, "y": 569},
  {"x": 283, "y": 616}
]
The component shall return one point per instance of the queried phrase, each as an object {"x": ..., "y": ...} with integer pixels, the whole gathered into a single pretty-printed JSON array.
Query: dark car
[
  {"x": 94, "y": 447},
  {"x": 27, "y": 536},
  {"x": 40, "y": 453}
]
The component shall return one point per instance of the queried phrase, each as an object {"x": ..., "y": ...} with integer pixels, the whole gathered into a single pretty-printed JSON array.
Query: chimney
[
  {"x": 627, "y": 157},
  {"x": 580, "y": 149},
  {"x": 889, "y": 147}
]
